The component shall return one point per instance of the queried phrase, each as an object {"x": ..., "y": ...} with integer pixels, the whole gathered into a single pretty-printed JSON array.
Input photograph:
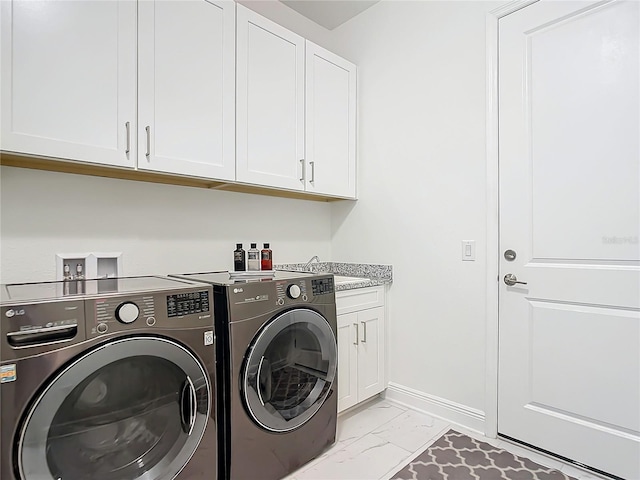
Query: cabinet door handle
[
  {"x": 364, "y": 332},
  {"x": 302, "y": 169},
  {"x": 313, "y": 172},
  {"x": 148, "y": 130},
  {"x": 356, "y": 342},
  {"x": 128, "y": 127}
]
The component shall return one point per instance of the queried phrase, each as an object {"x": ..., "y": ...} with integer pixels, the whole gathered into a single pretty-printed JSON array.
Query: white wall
[
  {"x": 159, "y": 228},
  {"x": 422, "y": 188}
]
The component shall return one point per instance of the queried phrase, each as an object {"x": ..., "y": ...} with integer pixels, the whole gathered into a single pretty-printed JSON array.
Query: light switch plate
[{"x": 468, "y": 250}]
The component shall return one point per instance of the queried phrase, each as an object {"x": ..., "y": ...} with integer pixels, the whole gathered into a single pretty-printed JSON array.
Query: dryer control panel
[
  {"x": 291, "y": 290},
  {"x": 252, "y": 299},
  {"x": 303, "y": 289},
  {"x": 322, "y": 286}
]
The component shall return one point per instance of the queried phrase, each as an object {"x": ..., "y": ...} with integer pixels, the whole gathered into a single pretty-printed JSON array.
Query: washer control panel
[
  {"x": 154, "y": 309},
  {"x": 187, "y": 303},
  {"x": 127, "y": 312}
]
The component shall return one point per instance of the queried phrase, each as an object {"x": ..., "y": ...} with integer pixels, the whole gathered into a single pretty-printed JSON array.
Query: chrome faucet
[{"x": 307, "y": 266}]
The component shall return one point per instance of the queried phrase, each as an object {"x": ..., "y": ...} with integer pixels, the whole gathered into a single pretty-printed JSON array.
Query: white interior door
[
  {"x": 569, "y": 109},
  {"x": 186, "y": 81}
]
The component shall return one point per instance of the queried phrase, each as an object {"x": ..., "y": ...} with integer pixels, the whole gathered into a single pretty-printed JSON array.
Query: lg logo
[
  {"x": 10, "y": 313},
  {"x": 238, "y": 290}
]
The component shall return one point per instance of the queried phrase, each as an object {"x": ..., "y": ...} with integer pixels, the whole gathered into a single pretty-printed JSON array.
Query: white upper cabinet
[
  {"x": 201, "y": 88},
  {"x": 270, "y": 103},
  {"x": 186, "y": 87},
  {"x": 296, "y": 111},
  {"x": 68, "y": 74},
  {"x": 330, "y": 123}
]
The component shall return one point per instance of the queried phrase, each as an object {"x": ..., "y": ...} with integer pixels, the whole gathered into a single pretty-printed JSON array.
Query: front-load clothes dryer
[
  {"x": 116, "y": 383},
  {"x": 279, "y": 333}
]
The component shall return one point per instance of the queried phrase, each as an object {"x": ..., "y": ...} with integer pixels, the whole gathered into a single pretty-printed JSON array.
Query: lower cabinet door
[
  {"x": 347, "y": 360},
  {"x": 370, "y": 353},
  {"x": 361, "y": 356}
]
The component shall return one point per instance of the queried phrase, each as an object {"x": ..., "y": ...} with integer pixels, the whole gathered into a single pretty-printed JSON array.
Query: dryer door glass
[
  {"x": 289, "y": 370},
  {"x": 134, "y": 408}
]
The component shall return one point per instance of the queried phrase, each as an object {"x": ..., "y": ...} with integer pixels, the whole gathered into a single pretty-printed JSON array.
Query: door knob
[{"x": 510, "y": 279}]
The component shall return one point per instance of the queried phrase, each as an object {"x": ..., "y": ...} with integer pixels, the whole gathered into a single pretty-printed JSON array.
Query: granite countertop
[{"x": 362, "y": 274}]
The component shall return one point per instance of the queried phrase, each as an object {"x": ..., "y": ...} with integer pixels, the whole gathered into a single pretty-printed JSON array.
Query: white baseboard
[{"x": 468, "y": 417}]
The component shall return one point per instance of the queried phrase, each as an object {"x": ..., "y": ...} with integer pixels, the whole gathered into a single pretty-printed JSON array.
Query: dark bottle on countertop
[
  {"x": 253, "y": 262},
  {"x": 239, "y": 259},
  {"x": 266, "y": 258}
]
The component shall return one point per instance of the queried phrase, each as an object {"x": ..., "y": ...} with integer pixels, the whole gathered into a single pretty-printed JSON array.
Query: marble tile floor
[{"x": 380, "y": 437}]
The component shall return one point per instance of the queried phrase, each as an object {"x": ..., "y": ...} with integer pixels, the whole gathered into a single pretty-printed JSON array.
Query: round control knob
[
  {"x": 102, "y": 328},
  {"x": 127, "y": 312},
  {"x": 293, "y": 291}
]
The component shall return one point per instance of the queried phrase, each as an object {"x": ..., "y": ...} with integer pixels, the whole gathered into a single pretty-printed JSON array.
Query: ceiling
[{"x": 329, "y": 13}]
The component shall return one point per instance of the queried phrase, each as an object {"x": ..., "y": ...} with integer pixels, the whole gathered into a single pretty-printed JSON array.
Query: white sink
[{"x": 340, "y": 279}]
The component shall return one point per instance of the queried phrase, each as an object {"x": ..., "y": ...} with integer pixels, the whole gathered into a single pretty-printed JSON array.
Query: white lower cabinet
[{"x": 361, "y": 345}]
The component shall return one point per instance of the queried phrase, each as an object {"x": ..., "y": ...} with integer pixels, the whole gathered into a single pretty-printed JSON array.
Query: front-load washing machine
[
  {"x": 279, "y": 372},
  {"x": 117, "y": 383}
]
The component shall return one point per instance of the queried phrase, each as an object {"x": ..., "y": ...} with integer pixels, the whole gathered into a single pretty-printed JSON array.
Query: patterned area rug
[{"x": 455, "y": 456}]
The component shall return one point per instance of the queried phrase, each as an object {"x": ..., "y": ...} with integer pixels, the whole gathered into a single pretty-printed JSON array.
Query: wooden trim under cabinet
[{"x": 11, "y": 159}]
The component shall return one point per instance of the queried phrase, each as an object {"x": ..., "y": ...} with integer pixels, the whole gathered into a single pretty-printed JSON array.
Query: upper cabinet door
[
  {"x": 186, "y": 87},
  {"x": 330, "y": 123},
  {"x": 68, "y": 74},
  {"x": 270, "y": 103}
]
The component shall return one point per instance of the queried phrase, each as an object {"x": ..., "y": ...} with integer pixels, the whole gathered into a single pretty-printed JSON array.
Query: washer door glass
[
  {"x": 132, "y": 409},
  {"x": 289, "y": 370}
]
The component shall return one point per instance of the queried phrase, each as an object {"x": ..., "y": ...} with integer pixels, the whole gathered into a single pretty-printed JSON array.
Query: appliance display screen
[
  {"x": 322, "y": 286},
  {"x": 187, "y": 303}
]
